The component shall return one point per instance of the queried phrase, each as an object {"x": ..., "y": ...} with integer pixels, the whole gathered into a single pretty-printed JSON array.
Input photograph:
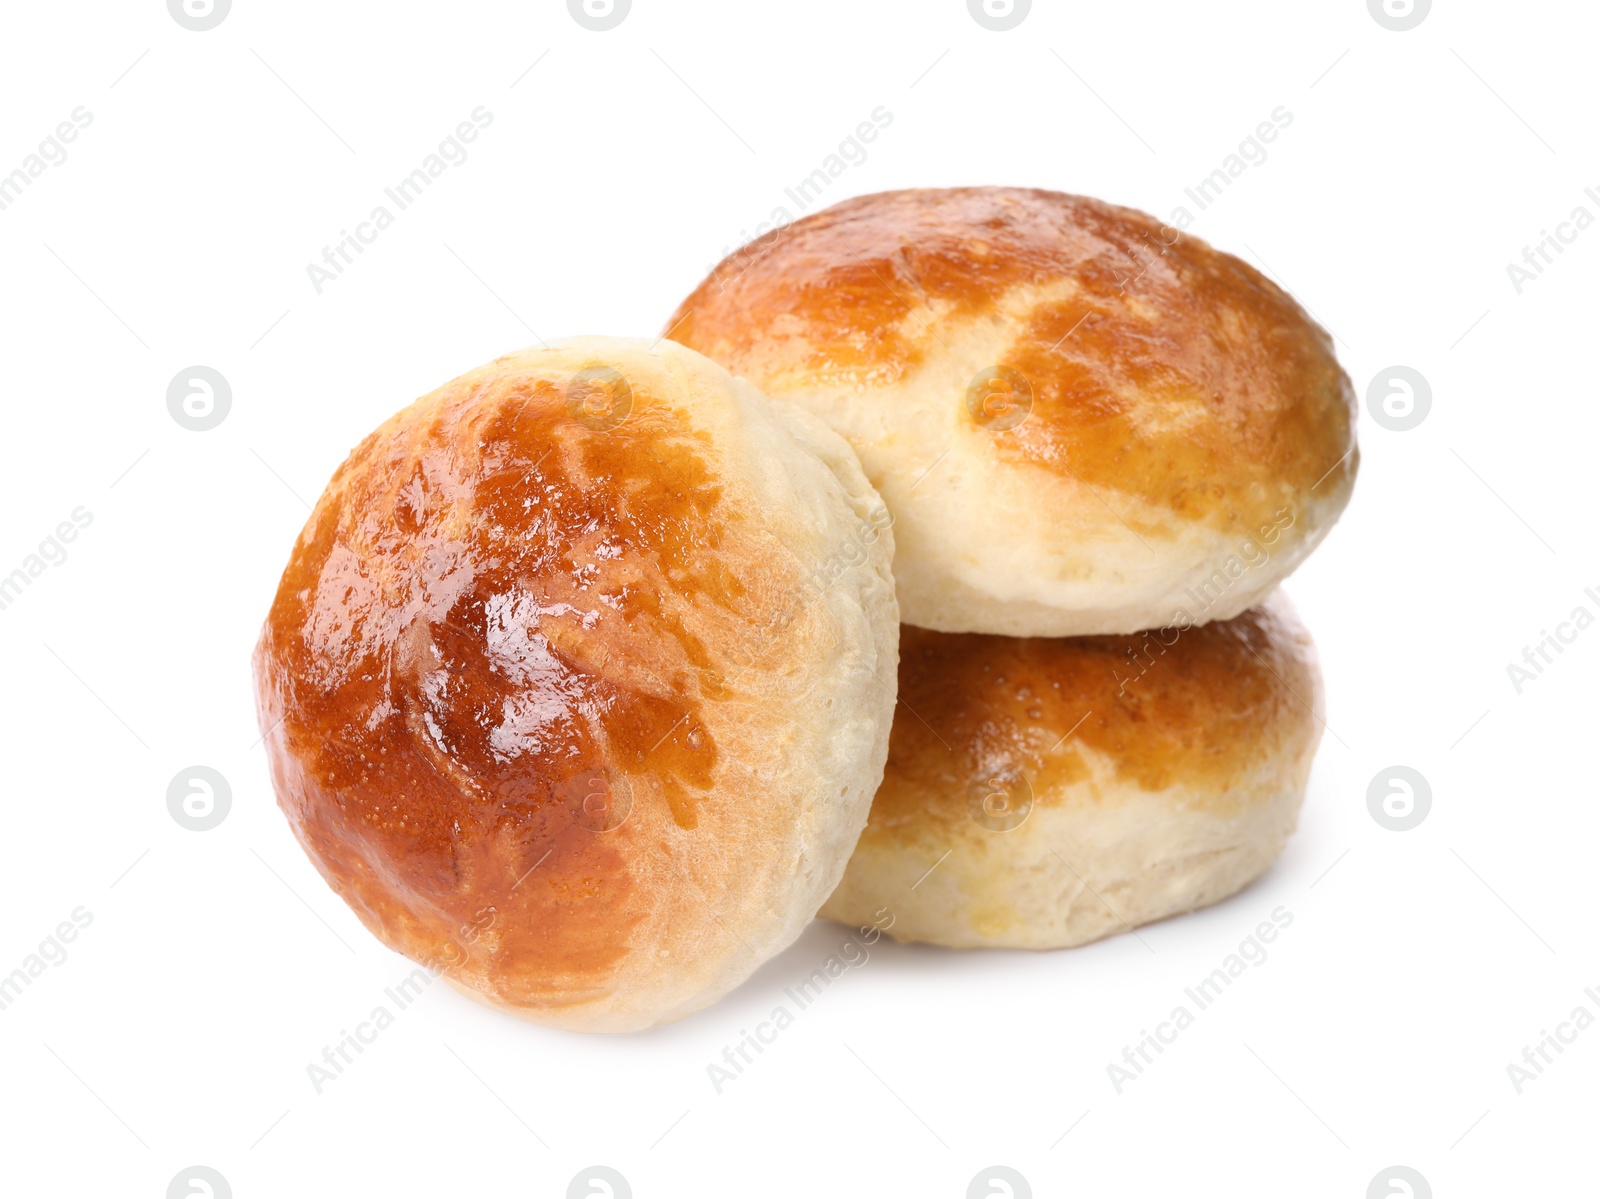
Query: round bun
[
  {"x": 1045, "y": 793},
  {"x": 578, "y": 683},
  {"x": 1082, "y": 421}
]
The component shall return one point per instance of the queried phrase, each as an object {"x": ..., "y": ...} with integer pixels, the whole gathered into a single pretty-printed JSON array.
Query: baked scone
[
  {"x": 1044, "y": 793},
  {"x": 578, "y": 683},
  {"x": 1082, "y": 421}
]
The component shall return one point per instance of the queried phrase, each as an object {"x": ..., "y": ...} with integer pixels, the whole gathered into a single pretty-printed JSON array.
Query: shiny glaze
[
  {"x": 1198, "y": 708},
  {"x": 1159, "y": 367},
  {"x": 479, "y": 630}
]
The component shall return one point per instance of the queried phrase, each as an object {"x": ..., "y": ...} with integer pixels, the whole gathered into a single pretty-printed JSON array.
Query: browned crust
[
  {"x": 495, "y": 616},
  {"x": 1158, "y": 366},
  {"x": 1197, "y": 709}
]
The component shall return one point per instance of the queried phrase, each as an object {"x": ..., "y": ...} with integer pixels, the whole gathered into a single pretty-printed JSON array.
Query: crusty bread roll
[
  {"x": 1082, "y": 421},
  {"x": 1044, "y": 793},
  {"x": 578, "y": 683}
]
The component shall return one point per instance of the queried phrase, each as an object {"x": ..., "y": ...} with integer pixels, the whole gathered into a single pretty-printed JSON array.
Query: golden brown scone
[
  {"x": 571, "y": 688},
  {"x": 1044, "y": 793},
  {"x": 1081, "y": 421}
]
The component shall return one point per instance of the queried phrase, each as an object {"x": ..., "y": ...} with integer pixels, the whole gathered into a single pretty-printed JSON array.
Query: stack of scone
[{"x": 582, "y": 676}]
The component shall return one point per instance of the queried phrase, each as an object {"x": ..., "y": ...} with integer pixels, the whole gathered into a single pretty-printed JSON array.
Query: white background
[{"x": 218, "y": 965}]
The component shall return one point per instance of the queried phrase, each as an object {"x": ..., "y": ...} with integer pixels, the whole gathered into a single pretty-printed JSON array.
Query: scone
[
  {"x": 578, "y": 683},
  {"x": 1081, "y": 421},
  {"x": 1043, "y": 793}
]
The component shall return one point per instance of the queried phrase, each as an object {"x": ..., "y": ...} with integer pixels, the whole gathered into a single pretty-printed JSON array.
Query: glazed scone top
[
  {"x": 522, "y": 644},
  {"x": 1196, "y": 709},
  {"x": 1158, "y": 367}
]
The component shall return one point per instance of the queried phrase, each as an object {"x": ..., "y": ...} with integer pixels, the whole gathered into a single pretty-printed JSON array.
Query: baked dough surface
[
  {"x": 578, "y": 682},
  {"x": 1041, "y": 793},
  {"x": 1082, "y": 421}
]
